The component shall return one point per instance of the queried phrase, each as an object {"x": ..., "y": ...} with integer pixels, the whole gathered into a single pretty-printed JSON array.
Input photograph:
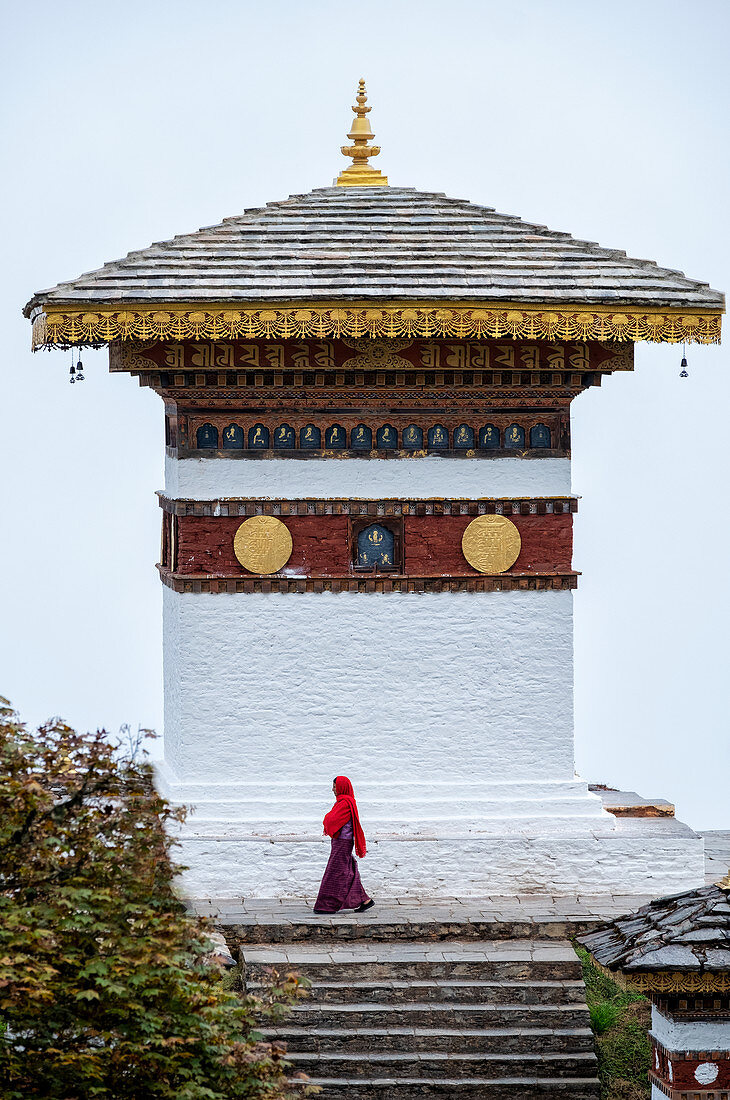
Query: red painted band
[{"x": 321, "y": 545}]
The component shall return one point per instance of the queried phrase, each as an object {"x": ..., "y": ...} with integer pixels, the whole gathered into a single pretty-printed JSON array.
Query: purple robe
[{"x": 341, "y": 887}]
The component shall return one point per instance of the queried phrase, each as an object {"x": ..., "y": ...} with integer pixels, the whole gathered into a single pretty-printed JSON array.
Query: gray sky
[{"x": 126, "y": 123}]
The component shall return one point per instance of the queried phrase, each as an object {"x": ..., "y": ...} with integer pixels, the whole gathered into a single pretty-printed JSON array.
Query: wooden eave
[{"x": 65, "y": 324}]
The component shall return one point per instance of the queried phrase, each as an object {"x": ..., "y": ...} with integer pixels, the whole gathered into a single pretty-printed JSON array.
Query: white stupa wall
[
  {"x": 451, "y": 713},
  {"x": 439, "y": 688},
  {"x": 416, "y": 476},
  {"x": 710, "y": 1033},
  {"x": 445, "y": 688}
]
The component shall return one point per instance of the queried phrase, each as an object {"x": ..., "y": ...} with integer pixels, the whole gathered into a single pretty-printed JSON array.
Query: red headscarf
[{"x": 344, "y": 810}]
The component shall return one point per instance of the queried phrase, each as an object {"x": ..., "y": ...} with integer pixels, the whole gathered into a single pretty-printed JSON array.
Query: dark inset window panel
[
  {"x": 233, "y": 437},
  {"x": 413, "y": 438},
  {"x": 335, "y": 437},
  {"x": 361, "y": 438},
  {"x": 206, "y": 437},
  {"x": 438, "y": 438},
  {"x": 463, "y": 438},
  {"x": 376, "y": 547},
  {"x": 514, "y": 437},
  {"x": 310, "y": 437},
  {"x": 284, "y": 437},
  {"x": 258, "y": 437},
  {"x": 540, "y": 436},
  {"x": 387, "y": 438},
  {"x": 489, "y": 437}
]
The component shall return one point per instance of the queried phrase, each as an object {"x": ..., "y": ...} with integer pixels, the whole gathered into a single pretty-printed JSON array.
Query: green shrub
[
  {"x": 620, "y": 1021},
  {"x": 603, "y": 1016},
  {"x": 105, "y": 993}
]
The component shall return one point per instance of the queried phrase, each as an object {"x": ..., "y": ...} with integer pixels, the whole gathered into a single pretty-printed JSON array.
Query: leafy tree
[{"x": 105, "y": 991}]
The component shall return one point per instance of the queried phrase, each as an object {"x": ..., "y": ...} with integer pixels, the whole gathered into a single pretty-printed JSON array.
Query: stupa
[{"x": 367, "y": 530}]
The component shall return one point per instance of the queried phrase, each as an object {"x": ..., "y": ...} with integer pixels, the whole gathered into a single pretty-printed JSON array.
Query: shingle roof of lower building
[
  {"x": 689, "y": 931},
  {"x": 394, "y": 243}
]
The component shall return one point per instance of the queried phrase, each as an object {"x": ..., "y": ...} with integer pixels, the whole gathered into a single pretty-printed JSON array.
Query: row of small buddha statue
[{"x": 413, "y": 437}]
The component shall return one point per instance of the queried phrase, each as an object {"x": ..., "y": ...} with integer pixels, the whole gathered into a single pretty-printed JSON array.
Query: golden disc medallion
[
  {"x": 491, "y": 544},
  {"x": 262, "y": 544}
]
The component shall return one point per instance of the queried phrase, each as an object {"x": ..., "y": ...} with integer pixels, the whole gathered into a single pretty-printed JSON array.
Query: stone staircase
[{"x": 454, "y": 1018}]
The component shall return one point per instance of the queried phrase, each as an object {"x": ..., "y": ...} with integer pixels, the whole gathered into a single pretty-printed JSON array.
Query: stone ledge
[
  {"x": 382, "y": 506},
  {"x": 502, "y": 582},
  {"x": 425, "y": 1088},
  {"x": 270, "y": 921},
  {"x": 630, "y": 804}
]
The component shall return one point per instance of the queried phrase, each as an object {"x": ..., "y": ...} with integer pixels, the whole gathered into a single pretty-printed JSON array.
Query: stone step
[
  {"x": 451, "y": 1014},
  {"x": 376, "y": 927},
  {"x": 499, "y": 1040},
  {"x": 435, "y": 1018},
  {"x": 439, "y": 1065},
  {"x": 533, "y": 915},
  {"x": 515, "y": 993},
  {"x": 475, "y": 969},
  {"x": 516, "y": 960},
  {"x": 469, "y": 1088}
]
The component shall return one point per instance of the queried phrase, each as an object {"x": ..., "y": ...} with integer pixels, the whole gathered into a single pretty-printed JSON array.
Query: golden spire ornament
[{"x": 360, "y": 173}]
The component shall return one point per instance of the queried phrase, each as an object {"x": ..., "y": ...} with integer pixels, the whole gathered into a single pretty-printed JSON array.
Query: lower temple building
[
  {"x": 675, "y": 952},
  {"x": 367, "y": 531}
]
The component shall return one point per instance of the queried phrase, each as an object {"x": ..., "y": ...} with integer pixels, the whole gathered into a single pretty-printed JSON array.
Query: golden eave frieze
[
  {"x": 669, "y": 981},
  {"x": 72, "y": 325}
]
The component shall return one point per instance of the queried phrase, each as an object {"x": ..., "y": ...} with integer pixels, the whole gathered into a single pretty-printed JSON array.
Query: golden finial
[{"x": 360, "y": 173}]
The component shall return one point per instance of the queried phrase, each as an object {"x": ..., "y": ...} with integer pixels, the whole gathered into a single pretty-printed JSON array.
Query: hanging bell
[
  {"x": 72, "y": 372},
  {"x": 684, "y": 373}
]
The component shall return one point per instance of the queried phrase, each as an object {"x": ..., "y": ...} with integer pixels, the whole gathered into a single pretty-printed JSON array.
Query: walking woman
[{"x": 341, "y": 887}]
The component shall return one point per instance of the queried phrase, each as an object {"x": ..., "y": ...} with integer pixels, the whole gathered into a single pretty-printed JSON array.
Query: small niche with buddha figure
[
  {"x": 258, "y": 438},
  {"x": 233, "y": 437},
  {"x": 284, "y": 437},
  {"x": 377, "y": 545},
  {"x": 206, "y": 437}
]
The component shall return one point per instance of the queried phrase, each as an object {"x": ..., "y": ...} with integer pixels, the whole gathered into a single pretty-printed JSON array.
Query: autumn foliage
[{"x": 105, "y": 991}]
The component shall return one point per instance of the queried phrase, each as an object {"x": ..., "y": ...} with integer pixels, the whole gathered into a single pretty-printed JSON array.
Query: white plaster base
[
  {"x": 452, "y": 714},
  {"x": 223, "y": 865},
  {"x": 686, "y": 1035},
  {"x": 458, "y": 689},
  {"x": 415, "y": 808},
  {"x": 410, "y": 476}
]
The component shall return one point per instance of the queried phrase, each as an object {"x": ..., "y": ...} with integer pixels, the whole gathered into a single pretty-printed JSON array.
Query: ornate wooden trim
[
  {"x": 376, "y": 361},
  {"x": 313, "y": 506},
  {"x": 504, "y": 582},
  {"x": 669, "y": 981},
  {"x": 70, "y": 325},
  {"x": 698, "y": 1006}
]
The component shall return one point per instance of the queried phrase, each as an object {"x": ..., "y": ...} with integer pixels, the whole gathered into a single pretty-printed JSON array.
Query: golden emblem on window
[
  {"x": 491, "y": 544},
  {"x": 262, "y": 544}
]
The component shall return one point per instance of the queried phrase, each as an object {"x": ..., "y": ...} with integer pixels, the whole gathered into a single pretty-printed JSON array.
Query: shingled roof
[
  {"x": 687, "y": 932},
  {"x": 390, "y": 243}
]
